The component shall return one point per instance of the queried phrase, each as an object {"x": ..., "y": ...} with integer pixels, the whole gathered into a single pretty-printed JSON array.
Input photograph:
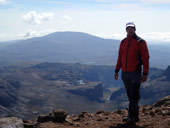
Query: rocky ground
[{"x": 155, "y": 116}]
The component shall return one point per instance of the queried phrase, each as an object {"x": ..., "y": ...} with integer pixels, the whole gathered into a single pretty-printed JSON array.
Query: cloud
[
  {"x": 127, "y": 1},
  {"x": 137, "y": 3},
  {"x": 103, "y": 1},
  {"x": 117, "y": 1},
  {"x": 66, "y": 19},
  {"x": 55, "y": 2},
  {"x": 116, "y": 36},
  {"x": 2, "y": 35},
  {"x": 156, "y": 36},
  {"x": 34, "y": 18},
  {"x": 33, "y": 33},
  {"x": 4, "y": 2},
  {"x": 149, "y": 37},
  {"x": 130, "y": 6},
  {"x": 123, "y": 4},
  {"x": 157, "y": 1}
]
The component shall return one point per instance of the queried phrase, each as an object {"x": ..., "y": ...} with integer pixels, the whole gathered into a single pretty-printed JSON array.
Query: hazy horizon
[
  {"x": 103, "y": 18},
  {"x": 148, "y": 42}
]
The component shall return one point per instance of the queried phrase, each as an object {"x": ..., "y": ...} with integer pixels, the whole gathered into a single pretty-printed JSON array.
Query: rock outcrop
[
  {"x": 157, "y": 86},
  {"x": 155, "y": 116},
  {"x": 163, "y": 102},
  {"x": 11, "y": 122},
  {"x": 93, "y": 93},
  {"x": 56, "y": 116},
  {"x": 27, "y": 91}
]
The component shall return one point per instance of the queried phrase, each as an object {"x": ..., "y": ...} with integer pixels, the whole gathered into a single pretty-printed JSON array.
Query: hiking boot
[
  {"x": 129, "y": 119},
  {"x": 125, "y": 119}
]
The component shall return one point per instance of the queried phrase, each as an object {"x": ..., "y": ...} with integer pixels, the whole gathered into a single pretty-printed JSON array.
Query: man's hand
[
  {"x": 116, "y": 76},
  {"x": 144, "y": 78}
]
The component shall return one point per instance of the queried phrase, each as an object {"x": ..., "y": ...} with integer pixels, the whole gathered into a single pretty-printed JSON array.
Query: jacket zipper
[{"x": 127, "y": 52}]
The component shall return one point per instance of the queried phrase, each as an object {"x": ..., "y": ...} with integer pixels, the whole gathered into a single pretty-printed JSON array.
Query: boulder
[
  {"x": 11, "y": 122},
  {"x": 42, "y": 119},
  {"x": 163, "y": 102},
  {"x": 31, "y": 124},
  {"x": 59, "y": 115},
  {"x": 56, "y": 116}
]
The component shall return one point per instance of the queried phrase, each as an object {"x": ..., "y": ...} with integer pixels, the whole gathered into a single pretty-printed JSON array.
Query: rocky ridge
[
  {"x": 25, "y": 92},
  {"x": 151, "y": 116},
  {"x": 156, "y": 87},
  {"x": 155, "y": 116}
]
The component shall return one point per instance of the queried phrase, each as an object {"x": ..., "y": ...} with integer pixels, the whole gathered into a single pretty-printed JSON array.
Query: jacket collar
[{"x": 133, "y": 36}]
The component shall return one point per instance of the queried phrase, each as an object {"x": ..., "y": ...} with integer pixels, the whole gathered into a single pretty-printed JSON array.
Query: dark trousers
[{"x": 132, "y": 82}]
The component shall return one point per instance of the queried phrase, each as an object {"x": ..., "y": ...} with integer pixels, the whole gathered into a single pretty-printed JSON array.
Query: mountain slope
[
  {"x": 61, "y": 47},
  {"x": 73, "y": 47},
  {"x": 27, "y": 91}
]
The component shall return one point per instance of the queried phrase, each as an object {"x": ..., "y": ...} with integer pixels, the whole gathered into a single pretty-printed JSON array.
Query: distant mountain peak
[{"x": 68, "y": 34}]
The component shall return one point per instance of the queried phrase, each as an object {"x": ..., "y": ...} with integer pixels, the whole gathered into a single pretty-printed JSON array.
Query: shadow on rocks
[{"x": 126, "y": 125}]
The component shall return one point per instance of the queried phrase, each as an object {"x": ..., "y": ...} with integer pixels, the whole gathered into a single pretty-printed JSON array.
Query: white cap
[{"x": 130, "y": 24}]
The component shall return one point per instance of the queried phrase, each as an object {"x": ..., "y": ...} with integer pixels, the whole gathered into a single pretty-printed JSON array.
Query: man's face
[{"x": 130, "y": 31}]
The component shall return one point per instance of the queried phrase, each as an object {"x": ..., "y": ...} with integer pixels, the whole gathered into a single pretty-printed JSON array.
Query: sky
[{"x": 22, "y": 19}]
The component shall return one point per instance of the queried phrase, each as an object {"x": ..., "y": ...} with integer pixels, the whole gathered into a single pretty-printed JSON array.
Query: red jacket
[{"x": 133, "y": 52}]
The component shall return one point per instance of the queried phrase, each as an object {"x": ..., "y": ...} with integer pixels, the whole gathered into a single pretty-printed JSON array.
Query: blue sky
[{"x": 22, "y": 19}]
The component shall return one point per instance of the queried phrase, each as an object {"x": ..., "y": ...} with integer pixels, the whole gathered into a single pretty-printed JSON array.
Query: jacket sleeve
[
  {"x": 145, "y": 57},
  {"x": 119, "y": 63}
]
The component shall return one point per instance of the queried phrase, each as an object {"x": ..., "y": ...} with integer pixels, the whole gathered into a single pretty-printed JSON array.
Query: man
[{"x": 133, "y": 53}]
